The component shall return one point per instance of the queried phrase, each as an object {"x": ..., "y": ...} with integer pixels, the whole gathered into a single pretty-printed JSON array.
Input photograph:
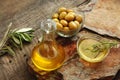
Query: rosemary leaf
[
  {"x": 26, "y": 37},
  {"x": 5, "y": 50},
  {"x": 24, "y": 30},
  {"x": 3, "y": 41},
  {"x": 16, "y": 39},
  {"x": 10, "y": 51},
  {"x": 109, "y": 45},
  {"x": 2, "y": 52},
  {"x": 21, "y": 44},
  {"x": 31, "y": 35},
  {"x": 13, "y": 43}
]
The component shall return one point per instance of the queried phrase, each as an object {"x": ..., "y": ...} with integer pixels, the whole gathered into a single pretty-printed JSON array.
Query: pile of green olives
[{"x": 67, "y": 20}]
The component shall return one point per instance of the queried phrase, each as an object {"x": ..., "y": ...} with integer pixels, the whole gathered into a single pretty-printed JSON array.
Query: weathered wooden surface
[{"x": 24, "y": 13}]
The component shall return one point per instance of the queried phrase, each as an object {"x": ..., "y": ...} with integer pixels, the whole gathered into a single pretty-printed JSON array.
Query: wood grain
[{"x": 25, "y": 13}]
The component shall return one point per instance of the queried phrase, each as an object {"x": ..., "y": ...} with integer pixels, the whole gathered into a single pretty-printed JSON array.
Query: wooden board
[{"x": 25, "y": 13}]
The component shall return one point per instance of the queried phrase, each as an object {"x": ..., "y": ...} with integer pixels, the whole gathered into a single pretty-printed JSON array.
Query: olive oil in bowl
[{"x": 93, "y": 49}]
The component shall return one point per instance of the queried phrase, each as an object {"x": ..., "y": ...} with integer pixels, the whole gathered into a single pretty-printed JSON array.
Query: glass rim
[{"x": 89, "y": 59}]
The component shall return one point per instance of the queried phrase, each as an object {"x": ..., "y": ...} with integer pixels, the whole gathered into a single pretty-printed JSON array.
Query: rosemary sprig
[
  {"x": 3, "y": 41},
  {"x": 111, "y": 44},
  {"x": 21, "y": 35},
  {"x": 98, "y": 48},
  {"x": 105, "y": 45},
  {"x": 15, "y": 39}
]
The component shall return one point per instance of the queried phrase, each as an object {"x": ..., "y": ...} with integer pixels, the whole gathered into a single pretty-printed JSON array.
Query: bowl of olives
[{"x": 68, "y": 22}]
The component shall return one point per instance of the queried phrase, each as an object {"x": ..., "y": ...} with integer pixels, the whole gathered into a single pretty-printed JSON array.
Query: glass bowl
[
  {"x": 93, "y": 56},
  {"x": 70, "y": 28}
]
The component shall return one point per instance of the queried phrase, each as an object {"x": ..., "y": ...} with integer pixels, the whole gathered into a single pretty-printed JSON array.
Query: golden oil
[{"x": 48, "y": 56}]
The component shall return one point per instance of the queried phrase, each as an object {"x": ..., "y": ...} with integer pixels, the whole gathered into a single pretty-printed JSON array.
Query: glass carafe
[{"x": 47, "y": 55}]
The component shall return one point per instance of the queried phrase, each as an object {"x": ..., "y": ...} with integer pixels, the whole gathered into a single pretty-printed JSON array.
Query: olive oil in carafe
[{"x": 48, "y": 56}]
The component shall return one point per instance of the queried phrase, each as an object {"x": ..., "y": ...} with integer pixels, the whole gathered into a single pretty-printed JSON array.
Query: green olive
[
  {"x": 69, "y": 10},
  {"x": 72, "y": 25},
  {"x": 64, "y": 22},
  {"x": 72, "y": 13},
  {"x": 69, "y": 17},
  {"x": 62, "y": 15},
  {"x": 66, "y": 29},
  {"x": 79, "y": 18},
  {"x": 59, "y": 26},
  {"x": 55, "y": 15},
  {"x": 77, "y": 23},
  {"x": 56, "y": 20},
  {"x": 62, "y": 9}
]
